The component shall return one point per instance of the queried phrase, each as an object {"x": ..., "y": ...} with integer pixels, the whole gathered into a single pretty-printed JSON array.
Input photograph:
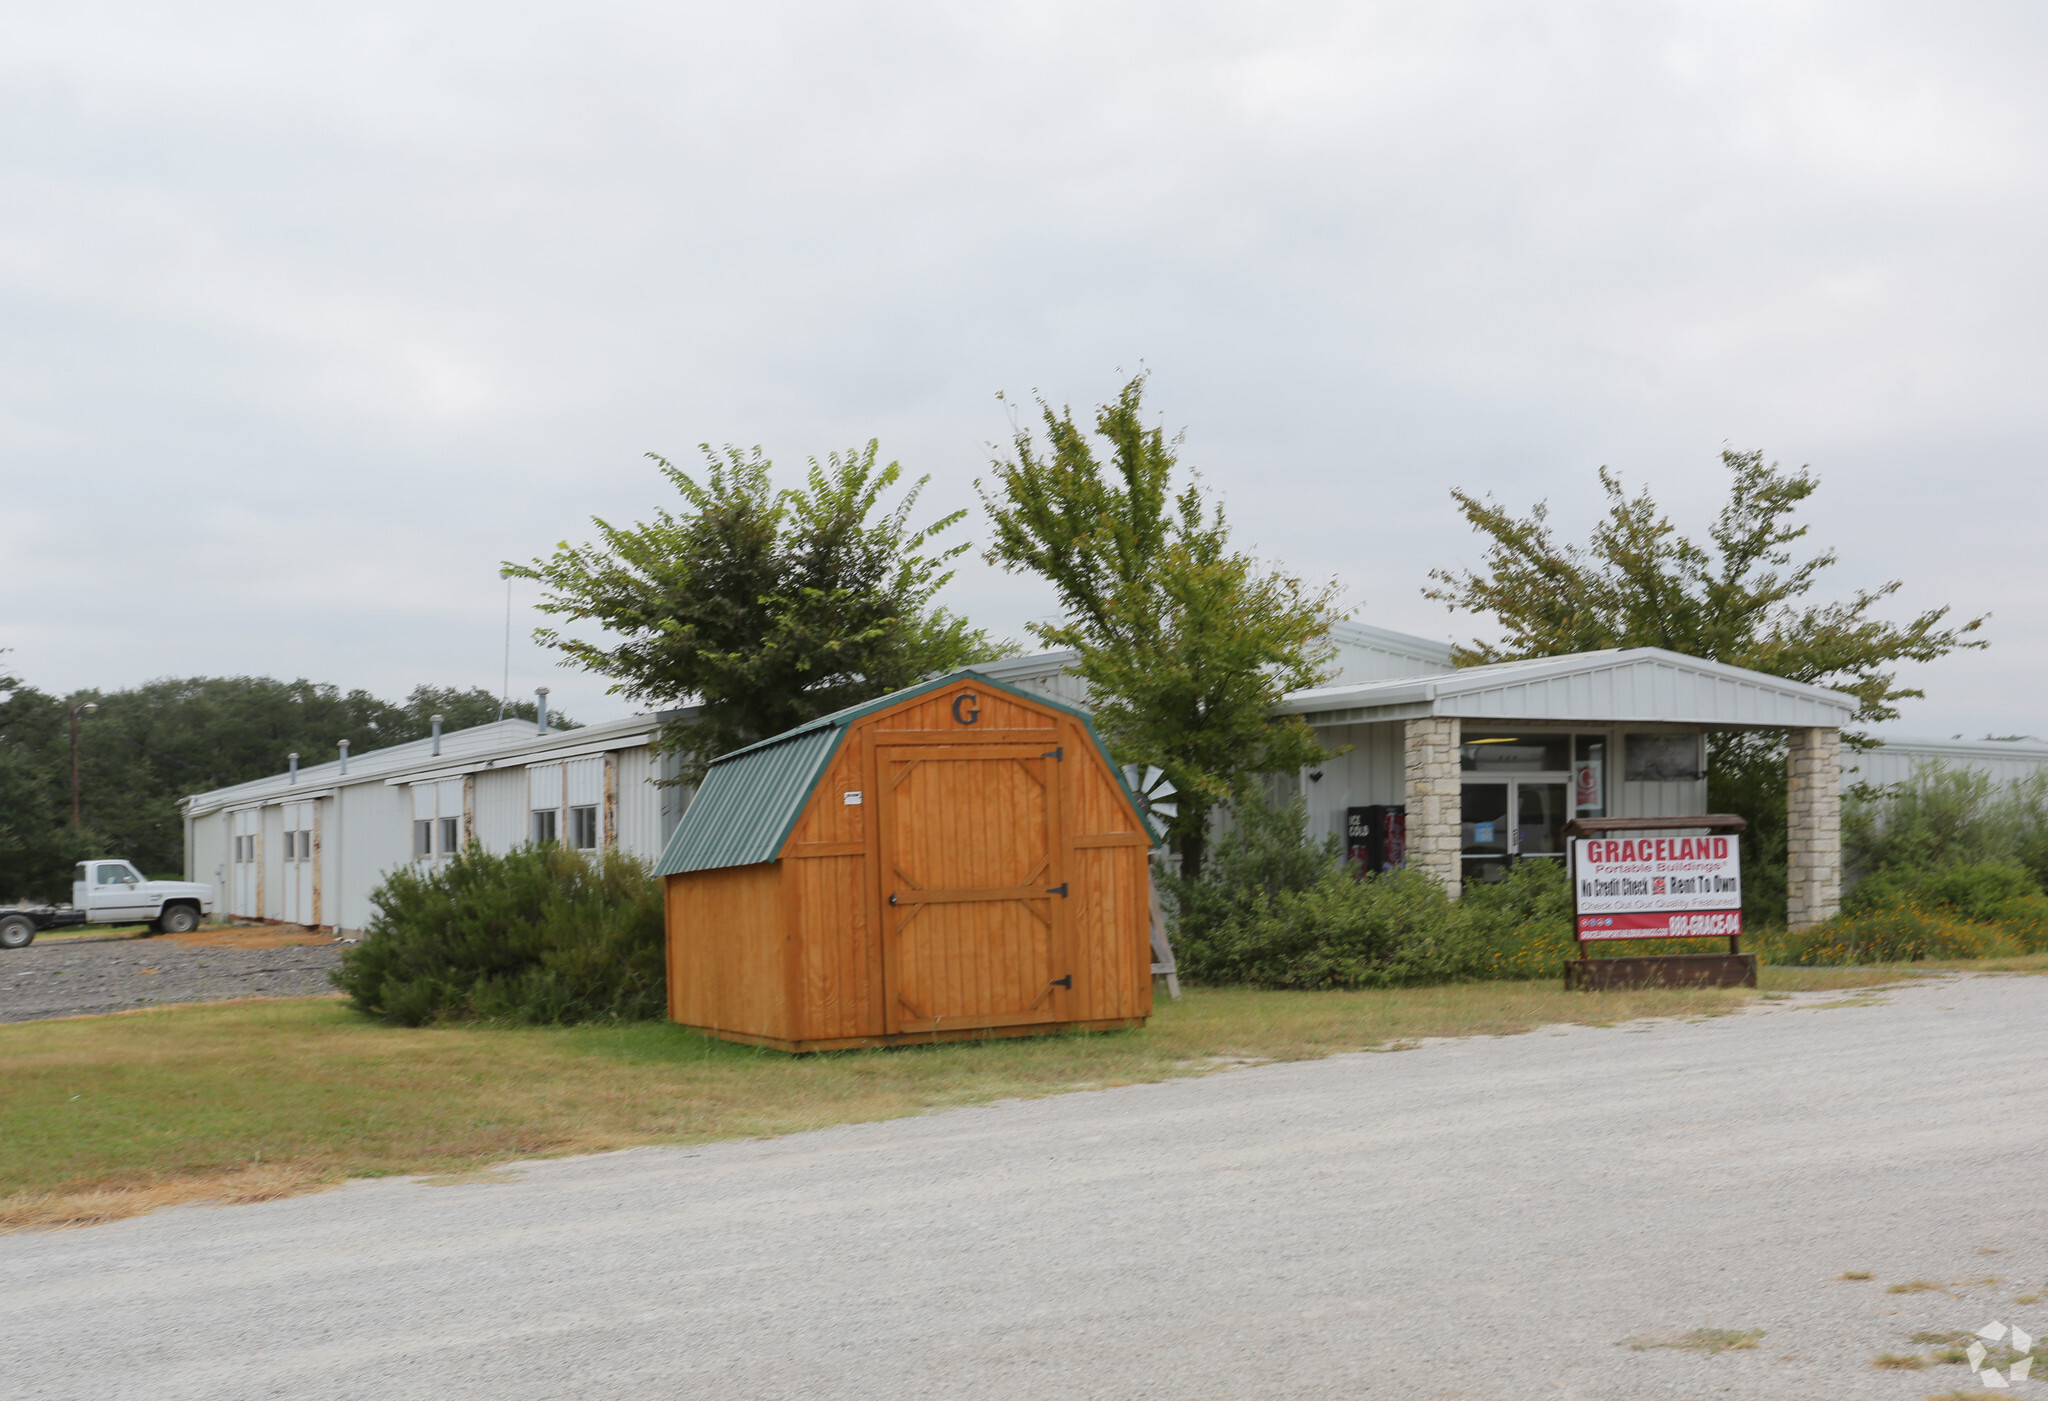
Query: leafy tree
[
  {"x": 38, "y": 844},
  {"x": 767, "y": 608},
  {"x": 1186, "y": 643},
  {"x": 1738, "y": 597},
  {"x": 149, "y": 746}
]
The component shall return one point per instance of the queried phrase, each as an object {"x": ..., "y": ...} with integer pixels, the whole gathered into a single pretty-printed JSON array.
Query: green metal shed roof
[{"x": 750, "y": 799}]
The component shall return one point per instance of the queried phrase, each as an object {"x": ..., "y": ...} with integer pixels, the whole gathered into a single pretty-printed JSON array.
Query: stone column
[
  {"x": 1435, "y": 799},
  {"x": 1813, "y": 826}
]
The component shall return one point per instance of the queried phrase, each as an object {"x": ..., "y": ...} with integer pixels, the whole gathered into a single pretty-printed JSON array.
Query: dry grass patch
[
  {"x": 96, "y": 1206},
  {"x": 112, "y": 1116},
  {"x": 1855, "y": 1274},
  {"x": 1707, "y": 1340},
  {"x": 2017, "y": 963},
  {"x": 251, "y": 936},
  {"x": 1913, "y": 1286}
]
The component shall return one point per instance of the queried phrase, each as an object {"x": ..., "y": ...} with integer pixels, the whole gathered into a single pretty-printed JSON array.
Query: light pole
[{"x": 88, "y": 708}]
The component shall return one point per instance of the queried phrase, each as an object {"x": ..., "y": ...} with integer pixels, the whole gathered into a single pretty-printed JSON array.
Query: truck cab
[{"x": 112, "y": 891}]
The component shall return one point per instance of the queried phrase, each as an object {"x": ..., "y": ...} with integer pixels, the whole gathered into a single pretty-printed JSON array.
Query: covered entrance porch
[{"x": 1464, "y": 773}]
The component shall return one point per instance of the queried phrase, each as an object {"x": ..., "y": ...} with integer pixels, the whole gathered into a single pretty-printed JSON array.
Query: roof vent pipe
[
  {"x": 540, "y": 711},
  {"x": 437, "y": 733},
  {"x": 344, "y": 756},
  {"x": 293, "y": 759}
]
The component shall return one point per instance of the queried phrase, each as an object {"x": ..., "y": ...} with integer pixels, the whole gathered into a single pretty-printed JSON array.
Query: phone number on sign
[{"x": 1716, "y": 924}]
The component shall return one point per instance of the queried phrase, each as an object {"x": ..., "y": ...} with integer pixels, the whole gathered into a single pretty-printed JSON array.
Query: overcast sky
[{"x": 311, "y": 315}]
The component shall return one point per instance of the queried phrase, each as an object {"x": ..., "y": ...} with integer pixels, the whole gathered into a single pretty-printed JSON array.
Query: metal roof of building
[
  {"x": 751, "y": 799},
  {"x": 1647, "y": 684},
  {"x": 498, "y": 744}
]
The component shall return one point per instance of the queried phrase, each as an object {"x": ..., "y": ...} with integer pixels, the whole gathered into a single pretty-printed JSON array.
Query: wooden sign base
[{"x": 1671, "y": 970}]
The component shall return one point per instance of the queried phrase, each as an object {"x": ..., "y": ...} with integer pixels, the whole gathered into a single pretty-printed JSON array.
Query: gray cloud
[{"x": 308, "y": 317}]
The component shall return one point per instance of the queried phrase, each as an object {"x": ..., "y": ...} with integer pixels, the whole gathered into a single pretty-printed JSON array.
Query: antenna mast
[{"x": 505, "y": 695}]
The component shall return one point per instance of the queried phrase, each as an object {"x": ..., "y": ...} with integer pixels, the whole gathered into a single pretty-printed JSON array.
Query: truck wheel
[
  {"x": 178, "y": 919},
  {"x": 17, "y": 932}
]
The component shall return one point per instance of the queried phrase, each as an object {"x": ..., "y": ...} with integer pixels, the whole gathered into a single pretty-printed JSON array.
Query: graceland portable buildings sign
[
  {"x": 1687, "y": 887},
  {"x": 955, "y": 859}
]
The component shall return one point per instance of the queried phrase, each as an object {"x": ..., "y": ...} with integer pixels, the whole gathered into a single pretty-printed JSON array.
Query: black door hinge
[
  {"x": 1059, "y": 754},
  {"x": 1059, "y": 890},
  {"x": 1066, "y": 982}
]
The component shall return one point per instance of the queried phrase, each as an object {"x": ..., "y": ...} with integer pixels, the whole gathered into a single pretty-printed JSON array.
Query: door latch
[
  {"x": 892, "y": 897},
  {"x": 1059, "y": 890}
]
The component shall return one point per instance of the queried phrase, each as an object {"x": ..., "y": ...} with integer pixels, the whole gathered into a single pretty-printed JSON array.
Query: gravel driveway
[
  {"x": 1484, "y": 1218},
  {"x": 71, "y": 977}
]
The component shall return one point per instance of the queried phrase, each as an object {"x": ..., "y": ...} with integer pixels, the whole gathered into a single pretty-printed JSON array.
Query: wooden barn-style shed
[{"x": 955, "y": 859}]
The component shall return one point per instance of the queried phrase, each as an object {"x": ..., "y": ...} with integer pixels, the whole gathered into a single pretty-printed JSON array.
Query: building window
[
  {"x": 1510, "y": 753},
  {"x": 543, "y": 826},
  {"x": 305, "y": 845},
  {"x": 1589, "y": 776},
  {"x": 423, "y": 837},
  {"x": 583, "y": 828},
  {"x": 1663, "y": 758},
  {"x": 289, "y": 839},
  {"x": 451, "y": 835}
]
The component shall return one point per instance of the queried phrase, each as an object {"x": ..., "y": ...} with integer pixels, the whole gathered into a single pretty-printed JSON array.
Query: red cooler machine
[{"x": 1376, "y": 838}]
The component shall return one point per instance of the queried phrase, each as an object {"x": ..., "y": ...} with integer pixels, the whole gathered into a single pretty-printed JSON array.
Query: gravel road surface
[
  {"x": 1483, "y": 1218},
  {"x": 72, "y": 977}
]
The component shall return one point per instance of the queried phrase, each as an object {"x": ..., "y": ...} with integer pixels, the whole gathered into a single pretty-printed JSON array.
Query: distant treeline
[{"x": 147, "y": 747}]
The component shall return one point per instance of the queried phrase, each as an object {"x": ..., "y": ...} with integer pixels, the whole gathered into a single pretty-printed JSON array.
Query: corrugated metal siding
[
  {"x": 207, "y": 860},
  {"x": 747, "y": 802},
  {"x": 1059, "y": 686},
  {"x": 272, "y": 902},
  {"x": 372, "y": 837},
  {"x": 585, "y": 781},
  {"x": 674, "y": 797},
  {"x": 501, "y": 809},
  {"x": 1370, "y": 654},
  {"x": 544, "y": 786},
  {"x": 640, "y": 803},
  {"x": 1673, "y": 798},
  {"x": 1896, "y": 761},
  {"x": 1640, "y": 690},
  {"x": 1373, "y": 771}
]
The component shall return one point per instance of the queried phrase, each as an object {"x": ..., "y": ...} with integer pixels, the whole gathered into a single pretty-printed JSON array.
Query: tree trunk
[{"x": 1194, "y": 846}]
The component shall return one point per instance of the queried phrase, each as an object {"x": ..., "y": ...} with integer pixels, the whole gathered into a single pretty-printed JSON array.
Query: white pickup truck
[{"x": 109, "y": 891}]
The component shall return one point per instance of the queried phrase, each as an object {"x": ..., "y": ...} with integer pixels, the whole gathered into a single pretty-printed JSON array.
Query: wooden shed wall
[
  {"x": 831, "y": 879},
  {"x": 729, "y": 950}
]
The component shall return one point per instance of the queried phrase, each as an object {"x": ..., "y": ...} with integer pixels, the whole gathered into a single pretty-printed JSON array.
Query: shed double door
[{"x": 974, "y": 886}]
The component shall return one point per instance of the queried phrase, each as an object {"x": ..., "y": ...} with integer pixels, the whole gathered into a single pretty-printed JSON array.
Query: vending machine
[{"x": 1376, "y": 838}]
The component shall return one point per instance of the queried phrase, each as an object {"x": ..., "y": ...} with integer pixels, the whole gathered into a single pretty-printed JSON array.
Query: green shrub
[
  {"x": 538, "y": 935},
  {"x": 1275, "y": 910},
  {"x": 1943, "y": 817},
  {"x": 1899, "y": 933},
  {"x": 1978, "y": 890}
]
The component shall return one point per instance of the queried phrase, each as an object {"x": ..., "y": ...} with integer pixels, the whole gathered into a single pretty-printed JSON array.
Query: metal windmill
[{"x": 1155, "y": 796}]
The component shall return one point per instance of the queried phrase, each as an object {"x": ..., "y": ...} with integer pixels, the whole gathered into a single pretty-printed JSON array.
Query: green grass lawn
[{"x": 104, "y": 1117}]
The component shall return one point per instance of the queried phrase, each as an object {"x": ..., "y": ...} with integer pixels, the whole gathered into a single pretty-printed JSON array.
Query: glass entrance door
[
  {"x": 1505, "y": 821},
  {"x": 1540, "y": 814},
  {"x": 1484, "y": 832}
]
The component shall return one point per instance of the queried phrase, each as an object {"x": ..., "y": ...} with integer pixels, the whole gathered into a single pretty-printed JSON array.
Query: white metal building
[
  {"x": 309, "y": 846},
  {"x": 2004, "y": 761},
  {"x": 1458, "y": 771}
]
